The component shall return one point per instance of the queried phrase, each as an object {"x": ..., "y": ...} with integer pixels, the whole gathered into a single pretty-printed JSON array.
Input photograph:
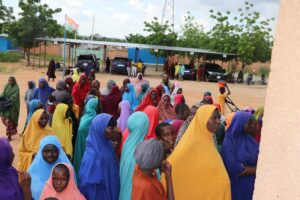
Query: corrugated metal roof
[{"x": 135, "y": 45}]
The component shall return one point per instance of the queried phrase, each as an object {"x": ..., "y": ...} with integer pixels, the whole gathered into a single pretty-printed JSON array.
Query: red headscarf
[
  {"x": 166, "y": 110},
  {"x": 111, "y": 102},
  {"x": 178, "y": 99},
  {"x": 70, "y": 83},
  {"x": 159, "y": 89},
  {"x": 80, "y": 90},
  {"x": 177, "y": 125},
  {"x": 153, "y": 116},
  {"x": 147, "y": 101}
]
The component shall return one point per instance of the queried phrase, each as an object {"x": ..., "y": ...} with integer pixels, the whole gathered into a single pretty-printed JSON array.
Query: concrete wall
[{"x": 278, "y": 175}]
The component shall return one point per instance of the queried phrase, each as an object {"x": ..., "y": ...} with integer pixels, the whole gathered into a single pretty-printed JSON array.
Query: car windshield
[
  {"x": 85, "y": 57},
  {"x": 121, "y": 59}
]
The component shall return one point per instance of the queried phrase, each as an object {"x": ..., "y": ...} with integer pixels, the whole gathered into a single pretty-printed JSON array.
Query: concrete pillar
[{"x": 278, "y": 174}]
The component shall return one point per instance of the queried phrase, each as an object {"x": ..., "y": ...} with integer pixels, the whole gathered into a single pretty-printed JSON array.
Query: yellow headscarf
[
  {"x": 62, "y": 126},
  {"x": 30, "y": 142},
  {"x": 198, "y": 171},
  {"x": 228, "y": 119},
  {"x": 75, "y": 75},
  {"x": 76, "y": 110}
]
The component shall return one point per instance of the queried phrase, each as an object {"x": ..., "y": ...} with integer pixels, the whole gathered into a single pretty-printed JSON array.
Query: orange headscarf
[
  {"x": 153, "y": 116},
  {"x": 70, "y": 192}
]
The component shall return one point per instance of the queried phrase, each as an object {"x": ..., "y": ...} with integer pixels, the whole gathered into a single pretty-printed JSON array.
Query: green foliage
[
  {"x": 6, "y": 17},
  {"x": 10, "y": 57},
  {"x": 193, "y": 34},
  {"x": 36, "y": 20},
  {"x": 249, "y": 36},
  {"x": 136, "y": 38},
  {"x": 160, "y": 34},
  {"x": 264, "y": 70}
]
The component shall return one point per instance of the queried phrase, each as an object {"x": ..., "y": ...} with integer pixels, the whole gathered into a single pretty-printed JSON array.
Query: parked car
[
  {"x": 214, "y": 72},
  {"x": 85, "y": 61},
  {"x": 189, "y": 73},
  {"x": 119, "y": 65}
]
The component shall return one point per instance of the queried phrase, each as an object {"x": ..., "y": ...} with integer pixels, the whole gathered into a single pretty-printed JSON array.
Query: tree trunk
[
  {"x": 243, "y": 65},
  {"x": 27, "y": 52}
]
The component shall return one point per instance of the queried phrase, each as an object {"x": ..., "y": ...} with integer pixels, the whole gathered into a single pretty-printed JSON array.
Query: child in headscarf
[
  {"x": 166, "y": 109},
  {"x": 108, "y": 88},
  {"x": 80, "y": 90},
  {"x": 149, "y": 156},
  {"x": 130, "y": 96},
  {"x": 55, "y": 188},
  {"x": 43, "y": 92}
]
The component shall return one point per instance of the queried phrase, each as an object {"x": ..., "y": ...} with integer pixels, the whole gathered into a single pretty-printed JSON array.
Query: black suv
[
  {"x": 214, "y": 72},
  {"x": 120, "y": 64},
  {"x": 85, "y": 61}
]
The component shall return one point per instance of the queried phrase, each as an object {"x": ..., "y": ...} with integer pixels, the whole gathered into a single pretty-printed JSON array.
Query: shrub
[
  {"x": 264, "y": 70},
  {"x": 10, "y": 57}
]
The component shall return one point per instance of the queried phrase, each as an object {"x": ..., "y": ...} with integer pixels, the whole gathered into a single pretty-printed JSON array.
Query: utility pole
[{"x": 168, "y": 13}]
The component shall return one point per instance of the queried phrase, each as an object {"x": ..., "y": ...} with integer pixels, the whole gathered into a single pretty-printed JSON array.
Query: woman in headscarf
[
  {"x": 240, "y": 154},
  {"x": 29, "y": 94},
  {"x": 205, "y": 177},
  {"x": 75, "y": 75},
  {"x": 167, "y": 85},
  {"x": 99, "y": 171},
  {"x": 36, "y": 130},
  {"x": 138, "y": 125},
  {"x": 90, "y": 112},
  {"x": 160, "y": 90},
  {"x": 51, "y": 70},
  {"x": 61, "y": 184},
  {"x": 10, "y": 116},
  {"x": 60, "y": 92},
  {"x": 35, "y": 104},
  {"x": 110, "y": 84},
  {"x": 9, "y": 185},
  {"x": 176, "y": 91},
  {"x": 125, "y": 82},
  {"x": 62, "y": 126},
  {"x": 111, "y": 102},
  {"x": 130, "y": 96},
  {"x": 152, "y": 99},
  {"x": 80, "y": 90},
  {"x": 166, "y": 110},
  {"x": 138, "y": 82},
  {"x": 187, "y": 122},
  {"x": 95, "y": 85},
  {"x": 43, "y": 92},
  {"x": 91, "y": 75},
  {"x": 49, "y": 154},
  {"x": 143, "y": 93},
  {"x": 69, "y": 84},
  {"x": 125, "y": 110}
]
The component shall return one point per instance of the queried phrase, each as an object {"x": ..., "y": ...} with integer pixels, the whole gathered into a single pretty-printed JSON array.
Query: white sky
[{"x": 118, "y": 18}]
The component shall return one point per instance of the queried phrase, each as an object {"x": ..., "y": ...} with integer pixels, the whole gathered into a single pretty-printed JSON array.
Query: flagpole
[{"x": 65, "y": 36}]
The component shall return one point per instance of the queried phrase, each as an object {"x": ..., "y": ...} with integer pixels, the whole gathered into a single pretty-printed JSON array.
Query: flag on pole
[{"x": 70, "y": 24}]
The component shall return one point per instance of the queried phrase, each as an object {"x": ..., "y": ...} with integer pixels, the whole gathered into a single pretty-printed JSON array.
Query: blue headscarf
[
  {"x": 166, "y": 90},
  {"x": 130, "y": 96},
  {"x": 99, "y": 171},
  {"x": 40, "y": 170},
  {"x": 238, "y": 149},
  {"x": 32, "y": 107},
  {"x": 43, "y": 94},
  {"x": 138, "y": 125}
]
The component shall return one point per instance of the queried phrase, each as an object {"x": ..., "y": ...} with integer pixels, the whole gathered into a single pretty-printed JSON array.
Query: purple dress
[{"x": 240, "y": 148}]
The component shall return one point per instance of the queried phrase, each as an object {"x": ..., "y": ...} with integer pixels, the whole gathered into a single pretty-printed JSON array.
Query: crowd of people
[{"x": 134, "y": 141}]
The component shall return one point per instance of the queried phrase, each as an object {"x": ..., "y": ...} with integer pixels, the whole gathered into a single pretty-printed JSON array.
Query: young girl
[{"x": 61, "y": 184}]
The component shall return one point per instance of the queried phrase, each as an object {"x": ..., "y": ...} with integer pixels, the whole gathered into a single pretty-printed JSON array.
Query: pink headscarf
[
  {"x": 70, "y": 192},
  {"x": 137, "y": 83}
]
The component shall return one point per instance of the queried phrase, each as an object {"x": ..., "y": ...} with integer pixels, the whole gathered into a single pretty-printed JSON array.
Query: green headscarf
[
  {"x": 12, "y": 92},
  {"x": 259, "y": 113},
  {"x": 90, "y": 113}
]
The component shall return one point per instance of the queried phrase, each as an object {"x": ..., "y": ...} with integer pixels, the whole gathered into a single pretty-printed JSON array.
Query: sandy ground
[{"x": 242, "y": 95}]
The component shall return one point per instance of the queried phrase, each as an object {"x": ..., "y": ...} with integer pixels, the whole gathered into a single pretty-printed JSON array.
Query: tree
[
  {"x": 36, "y": 20},
  {"x": 160, "y": 34},
  {"x": 6, "y": 17},
  {"x": 249, "y": 37},
  {"x": 193, "y": 34},
  {"x": 136, "y": 38}
]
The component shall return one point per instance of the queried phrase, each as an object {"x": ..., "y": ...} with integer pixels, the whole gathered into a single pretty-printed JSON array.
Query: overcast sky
[{"x": 118, "y": 18}]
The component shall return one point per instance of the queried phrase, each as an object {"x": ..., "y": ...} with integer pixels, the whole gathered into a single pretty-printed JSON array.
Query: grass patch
[
  {"x": 10, "y": 57},
  {"x": 6, "y": 70}
]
